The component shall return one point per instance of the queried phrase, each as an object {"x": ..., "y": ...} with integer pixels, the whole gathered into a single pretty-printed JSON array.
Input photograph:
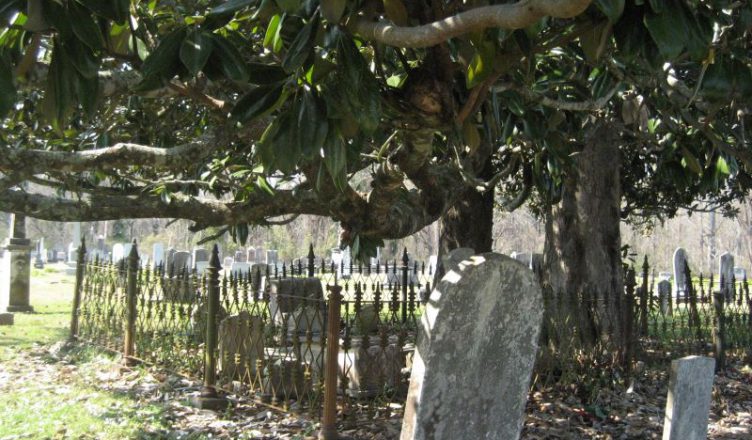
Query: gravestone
[
  {"x": 158, "y": 255},
  {"x": 241, "y": 257},
  {"x": 260, "y": 255},
  {"x": 127, "y": 249},
  {"x": 6, "y": 318},
  {"x": 200, "y": 259},
  {"x": 73, "y": 252},
  {"x": 16, "y": 282},
  {"x": 680, "y": 277},
  {"x": 38, "y": 261},
  {"x": 241, "y": 343},
  {"x": 272, "y": 257},
  {"x": 476, "y": 348},
  {"x": 664, "y": 297},
  {"x": 726, "y": 272},
  {"x": 258, "y": 277},
  {"x": 240, "y": 268},
  {"x": 169, "y": 258},
  {"x": 118, "y": 252},
  {"x": 181, "y": 261},
  {"x": 688, "y": 403},
  {"x": 227, "y": 262},
  {"x": 251, "y": 255},
  {"x": 370, "y": 369},
  {"x": 346, "y": 266},
  {"x": 524, "y": 258},
  {"x": 286, "y": 297}
]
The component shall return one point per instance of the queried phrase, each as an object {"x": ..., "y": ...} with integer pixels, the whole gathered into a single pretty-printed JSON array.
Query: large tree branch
[
  {"x": 206, "y": 212},
  {"x": 122, "y": 155},
  {"x": 507, "y": 16}
]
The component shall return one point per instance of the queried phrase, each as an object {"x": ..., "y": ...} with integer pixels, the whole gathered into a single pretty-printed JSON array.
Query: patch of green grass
[{"x": 48, "y": 324}]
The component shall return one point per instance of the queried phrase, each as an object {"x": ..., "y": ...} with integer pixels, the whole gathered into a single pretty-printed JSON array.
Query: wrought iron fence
[{"x": 268, "y": 330}]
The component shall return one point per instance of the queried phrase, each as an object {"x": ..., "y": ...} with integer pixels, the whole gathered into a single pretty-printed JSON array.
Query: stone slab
[
  {"x": 476, "y": 348},
  {"x": 6, "y": 319},
  {"x": 688, "y": 403}
]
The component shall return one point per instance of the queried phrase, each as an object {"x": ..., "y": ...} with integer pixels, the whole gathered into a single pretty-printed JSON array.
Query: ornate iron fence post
[
  {"x": 629, "y": 335},
  {"x": 80, "y": 268},
  {"x": 644, "y": 298},
  {"x": 131, "y": 303},
  {"x": 329, "y": 419},
  {"x": 209, "y": 399},
  {"x": 405, "y": 269},
  {"x": 719, "y": 331},
  {"x": 311, "y": 262}
]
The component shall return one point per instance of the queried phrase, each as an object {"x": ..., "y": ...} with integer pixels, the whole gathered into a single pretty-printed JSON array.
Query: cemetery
[{"x": 337, "y": 219}]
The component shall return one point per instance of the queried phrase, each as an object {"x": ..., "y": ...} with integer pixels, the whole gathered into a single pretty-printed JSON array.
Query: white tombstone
[
  {"x": 346, "y": 263},
  {"x": 240, "y": 268},
  {"x": 432, "y": 263},
  {"x": 118, "y": 252},
  {"x": 688, "y": 404},
  {"x": 158, "y": 254},
  {"x": 680, "y": 277},
  {"x": 127, "y": 249},
  {"x": 726, "y": 273}
]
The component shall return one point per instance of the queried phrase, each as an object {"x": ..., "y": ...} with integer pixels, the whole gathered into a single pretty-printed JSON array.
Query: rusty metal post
[
  {"x": 209, "y": 399},
  {"x": 719, "y": 331},
  {"x": 405, "y": 269},
  {"x": 329, "y": 420},
  {"x": 80, "y": 268},
  {"x": 131, "y": 303}
]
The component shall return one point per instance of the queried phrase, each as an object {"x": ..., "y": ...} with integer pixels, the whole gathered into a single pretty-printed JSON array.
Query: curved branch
[
  {"x": 507, "y": 16},
  {"x": 118, "y": 156}
]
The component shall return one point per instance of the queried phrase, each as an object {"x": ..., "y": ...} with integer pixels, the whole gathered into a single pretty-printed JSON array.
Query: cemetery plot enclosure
[{"x": 270, "y": 325}]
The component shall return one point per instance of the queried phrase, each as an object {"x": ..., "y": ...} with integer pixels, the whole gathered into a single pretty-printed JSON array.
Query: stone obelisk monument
[{"x": 16, "y": 280}]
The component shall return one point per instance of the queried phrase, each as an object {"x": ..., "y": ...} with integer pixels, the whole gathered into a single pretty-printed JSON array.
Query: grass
[{"x": 43, "y": 397}]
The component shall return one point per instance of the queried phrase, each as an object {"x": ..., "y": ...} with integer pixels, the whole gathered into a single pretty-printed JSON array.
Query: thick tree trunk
[{"x": 583, "y": 267}]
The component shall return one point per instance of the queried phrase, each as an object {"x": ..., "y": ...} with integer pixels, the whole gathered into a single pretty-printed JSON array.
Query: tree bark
[{"x": 583, "y": 267}]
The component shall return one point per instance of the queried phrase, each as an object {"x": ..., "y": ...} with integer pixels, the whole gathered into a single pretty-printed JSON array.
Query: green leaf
[
  {"x": 590, "y": 41},
  {"x": 721, "y": 166},
  {"x": 310, "y": 119},
  {"x": 195, "y": 51},
  {"x": 87, "y": 92},
  {"x": 256, "y": 103},
  {"x": 669, "y": 31},
  {"x": 272, "y": 38},
  {"x": 84, "y": 26},
  {"x": 231, "y": 62},
  {"x": 7, "y": 88},
  {"x": 481, "y": 66},
  {"x": 332, "y": 10},
  {"x": 690, "y": 161},
  {"x": 58, "y": 99},
  {"x": 263, "y": 74},
  {"x": 82, "y": 58},
  {"x": 230, "y": 7},
  {"x": 335, "y": 159},
  {"x": 164, "y": 62},
  {"x": 301, "y": 47},
  {"x": 611, "y": 9},
  {"x": 57, "y": 16}
]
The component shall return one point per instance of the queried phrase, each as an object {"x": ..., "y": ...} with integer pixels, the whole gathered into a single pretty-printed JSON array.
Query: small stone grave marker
[{"x": 688, "y": 403}]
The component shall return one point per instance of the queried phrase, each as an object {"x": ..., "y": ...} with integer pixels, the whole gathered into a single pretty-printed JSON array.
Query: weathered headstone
[
  {"x": 260, "y": 255},
  {"x": 241, "y": 257},
  {"x": 240, "y": 268},
  {"x": 241, "y": 343},
  {"x": 73, "y": 252},
  {"x": 475, "y": 353},
  {"x": 369, "y": 370},
  {"x": 15, "y": 285},
  {"x": 664, "y": 296},
  {"x": 118, "y": 252},
  {"x": 200, "y": 259},
  {"x": 726, "y": 272},
  {"x": 158, "y": 254},
  {"x": 346, "y": 265},
  {"x": 181, "y": 261},
  {"x": 227, "y": 262},
  {"x": 272, "y": 257},
  {"x": 251, "y": 255},
  {"x": 288, "y": 295},
  {"x": 38, "y": 261},
  {"x": 688, "y": 403},
  {"x": 169, "y": 258},
  {"x": 6, "y": 318},
  {"x": 680, "y": 276}
]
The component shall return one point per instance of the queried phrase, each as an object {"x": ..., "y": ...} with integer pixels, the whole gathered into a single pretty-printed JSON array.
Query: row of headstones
[{"x": 726, "y": 270}]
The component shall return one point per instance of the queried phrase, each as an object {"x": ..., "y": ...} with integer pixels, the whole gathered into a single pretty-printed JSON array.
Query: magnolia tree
[{"x": 385, "y": 116}]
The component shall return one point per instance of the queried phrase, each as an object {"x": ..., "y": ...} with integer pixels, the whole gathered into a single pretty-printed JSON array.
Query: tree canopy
[{"x": 378, "y": 114}]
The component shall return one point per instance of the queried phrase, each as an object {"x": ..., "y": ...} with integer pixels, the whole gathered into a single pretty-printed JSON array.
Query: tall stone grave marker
[
  {"x": 272, "y": 257},
  {"x": 200, "y": 259},
  {"x": 688, "y": 403},
  {"x": 181, "y": 261},
  {"x": 475, "y": 353},
  {"x": 251, "y": 255},
  {"x": 726, "y": 273},
  {"x": 118, "y": 252},
  {"x": 14, "y": 287},
  {"x": 680, "y": 277},
  {"x": 664, "y": 296},
  {"x": 169, "y": 258},
  {"x": 158, "y": 254}
]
